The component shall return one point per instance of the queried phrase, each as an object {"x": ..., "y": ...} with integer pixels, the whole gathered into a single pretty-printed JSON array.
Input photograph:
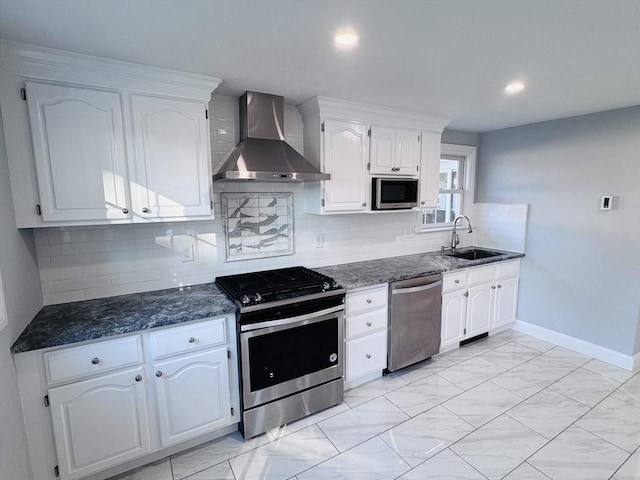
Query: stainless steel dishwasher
[{"x": 415, "y": 307}]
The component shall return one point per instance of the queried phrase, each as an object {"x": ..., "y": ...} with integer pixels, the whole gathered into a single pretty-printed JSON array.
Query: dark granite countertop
[
  {"x": 383, "y": 270},
  {"x": 92, "y": 319},
  {"x": 68, "y": 323}
]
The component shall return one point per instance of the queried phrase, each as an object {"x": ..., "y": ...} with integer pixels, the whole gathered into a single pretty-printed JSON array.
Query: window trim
[{"x": 469, "y": 174}]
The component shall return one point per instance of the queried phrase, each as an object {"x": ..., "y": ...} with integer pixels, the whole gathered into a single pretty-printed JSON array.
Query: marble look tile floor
[{"x": 508, "y": 406}]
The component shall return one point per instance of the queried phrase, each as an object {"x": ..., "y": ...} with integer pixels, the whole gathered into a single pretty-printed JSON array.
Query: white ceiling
[{"x": 446, "y": 57}]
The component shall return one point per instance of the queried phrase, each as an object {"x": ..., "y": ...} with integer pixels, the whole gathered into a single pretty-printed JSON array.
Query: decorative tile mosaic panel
[{"x": 257, "y": 225}]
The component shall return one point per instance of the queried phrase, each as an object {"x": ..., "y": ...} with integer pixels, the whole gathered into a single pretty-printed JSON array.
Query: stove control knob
[
  {"x": 245, "y": 300},
  {"x": 258, "y": 298},
  {"x": 326, "y": 286}
]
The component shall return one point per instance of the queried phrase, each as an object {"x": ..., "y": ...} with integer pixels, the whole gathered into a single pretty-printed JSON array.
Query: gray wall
[
  {"x": 581, "y": 275},
  {"x": 21, "y": 282}
]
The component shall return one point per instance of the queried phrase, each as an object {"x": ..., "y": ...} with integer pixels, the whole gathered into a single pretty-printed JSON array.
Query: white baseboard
[{"x": 628, "y": 362}]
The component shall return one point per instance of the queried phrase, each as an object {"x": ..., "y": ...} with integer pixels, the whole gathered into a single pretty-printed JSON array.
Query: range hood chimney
[{"x": 262, "y": 153}]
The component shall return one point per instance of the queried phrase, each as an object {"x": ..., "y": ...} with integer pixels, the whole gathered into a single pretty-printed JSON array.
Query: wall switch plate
[
  {"x": 187, "y": 253},
  {"x": 606, "y": 202},
  {"x": 319, "y": 240}
]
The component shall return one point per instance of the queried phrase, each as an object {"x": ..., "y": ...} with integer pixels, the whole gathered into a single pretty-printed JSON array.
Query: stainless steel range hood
[{"x": 262, "y": 153}]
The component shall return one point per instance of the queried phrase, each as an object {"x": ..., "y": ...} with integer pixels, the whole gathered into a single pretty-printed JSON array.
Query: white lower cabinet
[
  {"x": 99, "y": 423},
  {"x": 366, "y": 334},
  {"x": 162, "y": 388},
  {"x": 193, "y": 395},
  {"x": 477, "y": 301},
  {"x": 366, "y": 355}
]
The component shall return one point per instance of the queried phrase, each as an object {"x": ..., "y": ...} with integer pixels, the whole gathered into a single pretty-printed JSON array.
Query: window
[{"x": 457, "y": 164}]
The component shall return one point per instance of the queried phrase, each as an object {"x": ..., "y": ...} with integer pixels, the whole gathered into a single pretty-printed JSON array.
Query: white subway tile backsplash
[
  {"x": 61, "y": 273},
  {"x": 80, "y": 283},
  {"x": 63, "y": 297}
]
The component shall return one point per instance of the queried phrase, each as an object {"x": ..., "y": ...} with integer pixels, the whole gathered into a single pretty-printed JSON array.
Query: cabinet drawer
[
  {"x": 508, "y": 269},
  {"x": 365, "y": 300},
  {"x": 478, "y": 275},
  {"x": 366, "y": 355},
  {"x": 454, "y": 281},
  {"x": 85, "y": 360},
  {"x": 188, "y": 337},
  {"x": 367, "y": 323}
]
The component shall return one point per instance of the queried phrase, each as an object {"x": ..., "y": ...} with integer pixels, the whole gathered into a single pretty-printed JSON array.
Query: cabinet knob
[
  {"x": 192, "y": 340},
  {"x": 423, "y": 202},
  {"x": 493, "y": 286},
  {"x": 125, "y": 210},
  {"x": 145, "y": 210},
  {"x": 158, "y": 374},
  {"x": 368, "y": 356},
  {"x": 364, "y": 204},
  {"x": 138, "y": 378},
  {"x": 456, "y": 281},
  {"x": 499, "y": 286},
  {"x": 368, "y": 300},
  {"x": 368, "y": 324},
  {"x": 466, "y": 294},
  {"x": 95, "y": 360}
]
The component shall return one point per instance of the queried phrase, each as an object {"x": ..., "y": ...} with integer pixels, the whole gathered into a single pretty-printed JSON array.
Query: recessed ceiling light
[
  {"x": 514, "y": 87},
  {"x": 346, "y": 39}
]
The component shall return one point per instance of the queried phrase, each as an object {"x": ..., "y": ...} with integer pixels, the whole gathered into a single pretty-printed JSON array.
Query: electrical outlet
[{"x": 187, "y": 253}]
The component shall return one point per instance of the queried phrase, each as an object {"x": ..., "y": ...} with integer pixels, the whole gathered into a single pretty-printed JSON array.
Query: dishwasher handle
[{"x": 420, "y": 288}]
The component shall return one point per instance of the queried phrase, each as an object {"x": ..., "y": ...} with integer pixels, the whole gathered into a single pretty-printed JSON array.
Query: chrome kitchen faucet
[{"x": 455, "y": 240}]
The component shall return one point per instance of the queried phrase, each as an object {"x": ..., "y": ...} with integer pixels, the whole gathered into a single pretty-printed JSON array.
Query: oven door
[{"x": 286, "y": 356}]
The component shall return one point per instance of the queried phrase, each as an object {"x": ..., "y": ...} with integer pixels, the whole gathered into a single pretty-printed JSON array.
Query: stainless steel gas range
[{"x": 290, "y": 330}]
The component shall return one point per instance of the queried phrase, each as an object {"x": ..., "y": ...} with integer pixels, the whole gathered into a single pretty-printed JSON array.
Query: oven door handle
[{"x": 291, "y": 320}]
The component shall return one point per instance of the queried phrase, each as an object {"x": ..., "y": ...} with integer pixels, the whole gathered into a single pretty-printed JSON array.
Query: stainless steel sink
[{"x": 473, "y": 254}]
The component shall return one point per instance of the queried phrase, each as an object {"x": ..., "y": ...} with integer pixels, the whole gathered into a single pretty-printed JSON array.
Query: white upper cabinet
[
  {"x": 430, "y": 171},
  {"x": 79, "y": 150},
  {"x": 171, "y": 169},
  {"x": 102, "y": 141},
  {"x": 343, "y": 150},
  {"x": 345, "y": 153},
  {"x": 394, "y": 151}
]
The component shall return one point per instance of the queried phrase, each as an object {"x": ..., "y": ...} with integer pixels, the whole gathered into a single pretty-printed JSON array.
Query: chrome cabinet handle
[
  {"x": 125, "y": 210},
  {"x": 138, "y": 378},
  {"x": 368, "y": 356},
  {"x": 95, "y": 360},
  {"x": 368, "y": 324},
  {"x": 145, "y": 210},
  {"x": 192, "y": 340},
  {"x": 158, "y": 374}
]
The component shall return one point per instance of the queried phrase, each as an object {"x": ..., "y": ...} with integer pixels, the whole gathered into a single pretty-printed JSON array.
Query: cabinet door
[
  {"x": 382, "y": 150},
  {"x": 366, "y": 355},
  {"x": 429, "y": 170},
  {"x": 506, "y": 302},
  {"x": 79, "y": 150},
  {"x": 479, "y": 309},
  {"x": 99, "y": 423},
  {"x": 171, "y": 172},
  {"x": 345, "y": 153},
  {"x": 407, "y": 154},
  {"x": 454, "y": 315},
  {"x": 193, "y": 395}
]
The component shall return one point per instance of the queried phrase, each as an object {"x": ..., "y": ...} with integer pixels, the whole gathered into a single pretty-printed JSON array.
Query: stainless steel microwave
[{"x": 394, "y": 193}]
